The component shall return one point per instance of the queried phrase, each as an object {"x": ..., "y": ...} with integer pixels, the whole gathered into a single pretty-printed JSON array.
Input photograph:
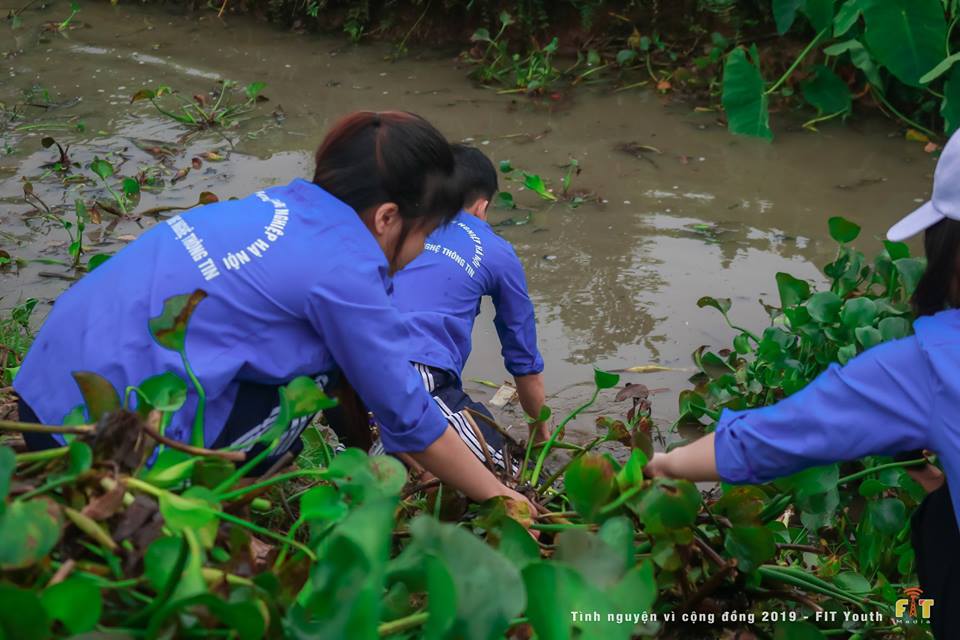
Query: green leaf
[
  {"x": 858, "y": 312},
  {"x": 868, "y": 336},
  {"x": 96, "y": 260},
  {"x": 797, "y": 631},
  {"x": 793, "y": 291},
  {"x": 894, "y": 328},
  {"x": 143, "y": 94},
  {"x": 846, "y": 17},
  {"x": 896, "y": 250},
  {"x": 751, "y": 546},
  {"x": 906, "y": 36},
  {"x": 631, "y": 474},
  {"x": 945, "y": 65},
  {"x": 626, "y": 57},
  {"x": 950, "y": 108},
  {"x": 605, "y": 379},
  {"x": 131, "y": 188},
  {"x": 28, "y": 531},
  {"x": 164, "y": 392},
  {"x": 871, "y": 487},
  {"x": 846, "y": 353},
  {"x": 741, "y": 505},
  {"x": 253, "y": 89},
  {"x": 667, "y": 505},
  {"x": 545, "y": 413},
  {"x": 888, "y": 515},
  {"x": 171, "y": 468},
  {"x": 322, "y": 503},
  {"x": 601, "y": 564},
  {"x": 819, "y": 13},
  {"x": 169, "y": 329},
  {"x": 22, "y": 616},
  {"x": 842, "y": 230},
  {"x": 516, "y": 544},
  {"x": 826, "y": 92},
  {"x": 504, "y": 200},
  {"x": 75, "y": 602},
  {"x": 589, "y": 483},
  {"x": 744, "y": 100},
  {"x": 487, "y": 587},
  {"x": 824, "y": 307},
  {"x": 720, "y": 304},
  {"x": 8, "y": 462},
  {"x": 506, "y": 166},
  {"x": 812, "y": 481},
  {"x": 911, "y": 270},
  {"x": 102, "y": 168},
  {"x": 194, "y": 510},
  {"x": 853, "y": 582},
  {"x": 299, "y": 398},
  {"x": 81, "y": 210},
  {"x": 536, "y": 184},
  {"x": 79, "y": 457},
  {"x": 99, "y": 395},
  {"x": 784, "y": 13}
]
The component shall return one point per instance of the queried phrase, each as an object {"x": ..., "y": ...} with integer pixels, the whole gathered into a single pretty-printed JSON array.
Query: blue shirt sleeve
[
  {"x": 515, "y": 321},
  {"x": 366, "y": 336},
  {"x": 878, "y": 404}
]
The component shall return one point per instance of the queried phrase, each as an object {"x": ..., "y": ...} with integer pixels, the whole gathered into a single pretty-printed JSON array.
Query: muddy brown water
[{"x": 615, "y": 282}]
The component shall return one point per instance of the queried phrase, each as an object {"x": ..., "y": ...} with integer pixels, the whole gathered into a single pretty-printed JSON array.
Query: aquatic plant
[{"x": 201, "y": 111}]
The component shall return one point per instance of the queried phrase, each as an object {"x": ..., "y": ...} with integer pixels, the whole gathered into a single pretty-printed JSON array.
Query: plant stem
[
  {"x": 32, "y": 427},
  {"x": 881, "y": 467},
  {"x": 580, "y": 452},
  {"x": 47, "y": 454},
  {"x": 556, "y": 433},
  {"x": 621, "y": 499},
  {"x": 886, "y": 103},
  {"x": 283, "y": 477},
  {"x": 402, "y": 624},
  {"x": 796, "y": 63},
  {"x": 246, "y": 468},
  {"x": 196, "y": 436},
  {"x": 562, "y": 527}
]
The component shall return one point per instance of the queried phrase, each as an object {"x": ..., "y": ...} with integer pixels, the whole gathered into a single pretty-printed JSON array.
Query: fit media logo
[{"x": 913, "y": 604}]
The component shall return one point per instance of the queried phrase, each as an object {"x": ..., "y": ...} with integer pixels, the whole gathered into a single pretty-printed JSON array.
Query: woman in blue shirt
[
  {"x": 297, "y": 280},
  {"x": 896, "y": 397}
]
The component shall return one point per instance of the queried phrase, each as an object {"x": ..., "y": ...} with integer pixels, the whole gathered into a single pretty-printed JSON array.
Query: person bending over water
[
  {"x": 297, "y": 280},
  {"x": 439, "y": 295},
  {"x": 896, "y": 397}
]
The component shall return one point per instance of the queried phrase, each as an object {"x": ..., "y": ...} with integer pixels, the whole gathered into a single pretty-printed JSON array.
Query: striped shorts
[{"x": 447, "y": 391}]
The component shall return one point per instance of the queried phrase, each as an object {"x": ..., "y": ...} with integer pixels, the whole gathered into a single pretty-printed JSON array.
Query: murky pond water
[{"x": 615, "y": 282}]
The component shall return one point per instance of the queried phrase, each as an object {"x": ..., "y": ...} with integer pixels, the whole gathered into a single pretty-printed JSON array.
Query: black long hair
[
  {"x": 938, "y": 288},
  {"x": 369, "y": 158}
]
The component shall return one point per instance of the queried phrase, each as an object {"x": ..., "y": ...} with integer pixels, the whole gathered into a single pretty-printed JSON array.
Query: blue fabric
[
  {"x": 297, "y": 286},
  {"x": 898, "y": 396},
  {"x": 439, "y": 296}
]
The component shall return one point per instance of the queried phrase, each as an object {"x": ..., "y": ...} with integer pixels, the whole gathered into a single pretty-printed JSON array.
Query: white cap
[{"x": 945, "y": 202}]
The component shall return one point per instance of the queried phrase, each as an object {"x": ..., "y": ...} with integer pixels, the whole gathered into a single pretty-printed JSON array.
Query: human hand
[
  {"x": 657, "y": 467},
  {"x": 540, "y": 432},
  {"x": 927, "y": 476}
]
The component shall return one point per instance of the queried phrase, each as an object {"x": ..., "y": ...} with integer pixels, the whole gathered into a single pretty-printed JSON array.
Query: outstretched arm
[
  {"x": 878, "y": 404},
  {"x": 532, "y": 398}
]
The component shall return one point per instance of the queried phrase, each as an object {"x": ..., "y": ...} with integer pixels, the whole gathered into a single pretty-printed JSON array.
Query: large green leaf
[
  {"x": 751, "y": 546},
  {"x": 888, "y": 515},
  {"x": 667, "y": 505},
  {"x": 164, "y": 392},
  {"x": 826, "y": 92},
  {"x": 589, "y": 483},
  {"x": 28, "y": 531},
  {"x": 793, "y": 291},
  {"x": 8, "y": 462},
  {"x": 299, "y": 398},
  {"x": 812, "y": 481},
  {"x": 908, "y": 37},
  {"x": 169, "y": 329},
  {"x": 75, "y": 602},
  {"x": 488, "y": 588},
  {"x": 99, "y": 395},
  {"x": 843, "y": 230},
  {"x": 950, "y": 107},
  {"x": 744, "y": 100},
  {"x": 22, "y": 616},
  {"x": 858, "y": 312},
  {"x": 784, "y": 13},
  {"x": 847, "y": 16},
  {"x": 824, "y": 306}
]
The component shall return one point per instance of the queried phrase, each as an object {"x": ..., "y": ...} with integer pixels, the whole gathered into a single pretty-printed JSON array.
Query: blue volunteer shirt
[
  {"x": 897, "y": 396},
  {"x": 297, "y": 285},
  {"x": 439, "y": 296}
]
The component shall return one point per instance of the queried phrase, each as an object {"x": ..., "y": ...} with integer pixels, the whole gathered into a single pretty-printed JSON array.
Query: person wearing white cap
[{"x": 900, "y": 396}]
